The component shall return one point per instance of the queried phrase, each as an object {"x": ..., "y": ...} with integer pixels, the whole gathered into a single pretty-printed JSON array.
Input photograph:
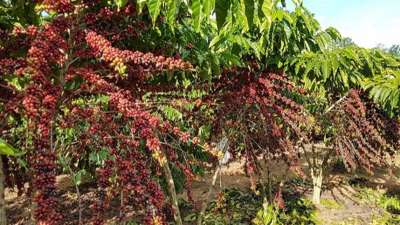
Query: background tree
[{"x": 395, "y": 50}]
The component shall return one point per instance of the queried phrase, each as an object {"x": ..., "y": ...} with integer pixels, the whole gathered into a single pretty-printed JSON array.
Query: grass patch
[
  {"x": 385, "y": 219},
  {"x": 389, "y": 204},
  {"x": 352, "y": 221},
  {"x": 235, "y": 207},
  {"x": 380, "y": 199},
  {"x": 331, "y": 204}
]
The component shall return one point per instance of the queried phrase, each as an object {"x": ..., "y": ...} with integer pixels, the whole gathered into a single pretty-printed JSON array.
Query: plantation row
[{"x": 145, "y": 96}]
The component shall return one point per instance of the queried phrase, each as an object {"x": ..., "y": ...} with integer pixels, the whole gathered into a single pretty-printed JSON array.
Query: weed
[
  {"x": 390, "y": 205},
  {"x": 331, "y": 204}
]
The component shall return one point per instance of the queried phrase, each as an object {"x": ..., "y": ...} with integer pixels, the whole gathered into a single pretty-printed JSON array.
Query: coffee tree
[
  {"x": 121, "y": 89},
  {"x": 67, "y": 61}
]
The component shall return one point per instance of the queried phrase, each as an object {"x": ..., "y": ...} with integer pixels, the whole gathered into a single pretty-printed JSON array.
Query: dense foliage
[
  {"x": 128, "y": 91},
  {"x": 64, "y": 66}
]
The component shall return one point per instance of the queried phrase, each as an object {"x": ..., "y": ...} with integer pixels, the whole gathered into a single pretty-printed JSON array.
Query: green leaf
[
  {"x": 171, "y": 113},
  {"x": 205, "y": 73},
  {"x": 208, "y": 7},
  {"x": 173, "y": 5},
  {"x": 196, "y": 14},
  {"x": 140, "y": 4},
  {"x": 345, "y": 78},
  {"x": 325, "y": 69},
  {"x": 99, "y": 157},
  {"x": 384, "y": 89},
  {"x": 232, "y": 59},
  {"x": 154, "y": 7},
  {"x": 21, "y": 162},
  {"x": 221, "y": 11},
  {"x": 6, "y": 149},
  {"x": 249, "y": 11},
  {"x": 266, "y": 7},
  {"x": 239, "y": 15},
  {"x": 16, "y": 81},
  {"x": 120, "y": 3},
  {"x": 73, "y": 84},
  {"x": 77, "y": 178},
  {"x": 215, "y": 65},
  {"x": 204, "y": 132},
  {"x": 309, "y": 67}
]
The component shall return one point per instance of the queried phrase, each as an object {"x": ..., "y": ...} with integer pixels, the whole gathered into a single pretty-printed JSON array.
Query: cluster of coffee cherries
[
  {"x": 120, "y": 58},
  {"x": 50, "y": 64},
  {"x": 359, "y": 140},
  {"x": 39, "y": 102},
  {"x": 60, "y": 6},
  {"x": 272, "y": 112}
]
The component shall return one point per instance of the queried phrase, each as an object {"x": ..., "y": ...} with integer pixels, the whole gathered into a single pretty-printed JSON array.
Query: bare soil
[{"x": 346, "y": 206}]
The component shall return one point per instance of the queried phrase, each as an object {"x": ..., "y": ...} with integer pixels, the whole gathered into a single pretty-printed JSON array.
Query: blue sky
[{"x": 367, "y": 22}]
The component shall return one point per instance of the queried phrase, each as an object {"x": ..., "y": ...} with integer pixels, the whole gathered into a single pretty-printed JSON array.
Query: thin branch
[
  {"x": 7, "y": 87},
  {"x": 208, "y": 198},
  {"x": 335, "y": 104}
]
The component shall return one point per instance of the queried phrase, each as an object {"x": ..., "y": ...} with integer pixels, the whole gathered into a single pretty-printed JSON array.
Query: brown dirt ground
[{"x": 232, "y": 176}]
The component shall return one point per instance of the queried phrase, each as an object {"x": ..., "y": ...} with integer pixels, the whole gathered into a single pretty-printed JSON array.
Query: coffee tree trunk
[
  {"x": 172, "y": 194},
  {"x": 317, "y": 176},
  {"x": 3, "y": 216},
  {"x": 208, "y": 198},
  {"x": 317, "y": 156}
]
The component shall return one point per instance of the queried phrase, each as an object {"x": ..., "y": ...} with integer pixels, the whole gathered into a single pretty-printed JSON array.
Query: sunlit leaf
[
  {"x": 120, "y": 3},
  {"x": 173, "y": 6},
  {"x": 6, "y": 149},
  {"x": 249, "y": 11},
  {"x": 196, "y": 14},
  {"x": 208, "y": 7},
  {"x": 154, "y": 7}
]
